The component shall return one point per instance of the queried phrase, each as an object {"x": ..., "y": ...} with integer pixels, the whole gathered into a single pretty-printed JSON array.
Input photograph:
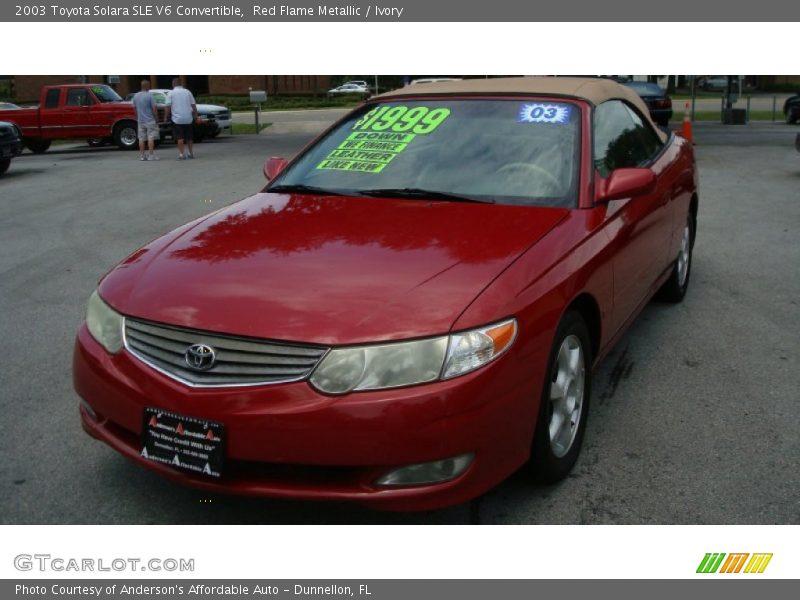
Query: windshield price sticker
[
  {"x": 352, "y": 165},
  {"x": 382, "y": 134},
  {"x": 556, "y": 114},
  {"x": 364, "y": 136},
  {"x": 419, "y": 119}
]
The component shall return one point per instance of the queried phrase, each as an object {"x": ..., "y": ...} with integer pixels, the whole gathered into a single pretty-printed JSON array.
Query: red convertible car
[{"x": 411, "y": 309}]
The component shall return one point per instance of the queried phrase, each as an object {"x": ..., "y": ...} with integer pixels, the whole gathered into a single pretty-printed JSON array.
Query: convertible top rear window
[{"x": 523, "y": 151}]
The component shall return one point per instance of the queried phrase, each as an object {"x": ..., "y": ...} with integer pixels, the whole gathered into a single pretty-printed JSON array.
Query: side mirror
[
  {"x": 274, "y": 166},
  {"x": 624, "y": 183}
]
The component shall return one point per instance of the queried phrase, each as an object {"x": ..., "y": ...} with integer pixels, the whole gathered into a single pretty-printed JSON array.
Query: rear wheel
[
  {"x": 37, "y": 146},
  {"x": 565, "y": 401},
  {"x": 125, "y": 136},
  {"x": 675, "y": 287},
  {"x": 4, "y": 164}
]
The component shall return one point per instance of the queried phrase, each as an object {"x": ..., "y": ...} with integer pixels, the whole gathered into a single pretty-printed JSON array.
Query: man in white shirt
[{"x": 182, "y": 110}]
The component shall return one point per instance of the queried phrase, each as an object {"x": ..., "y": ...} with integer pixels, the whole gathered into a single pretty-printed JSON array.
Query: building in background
[{"x": 26, "y": 87}]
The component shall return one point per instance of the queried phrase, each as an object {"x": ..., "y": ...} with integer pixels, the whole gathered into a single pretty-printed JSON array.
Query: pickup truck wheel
[
  {"x": 37, "y": 146},
  {"x": 4, "y": 165},
  {"x": 125, "y": 136}
]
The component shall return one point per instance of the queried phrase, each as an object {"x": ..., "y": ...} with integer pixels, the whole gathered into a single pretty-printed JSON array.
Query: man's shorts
[
  {"x": 182, "y": 131},
  {"x": 148, "y": 131}
]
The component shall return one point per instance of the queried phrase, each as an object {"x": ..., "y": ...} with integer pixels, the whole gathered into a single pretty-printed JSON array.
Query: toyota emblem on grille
[{"x": 200, "y": 357}]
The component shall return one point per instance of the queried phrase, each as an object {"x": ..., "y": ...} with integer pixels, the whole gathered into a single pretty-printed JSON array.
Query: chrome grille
[{"x": 239, "y": 361}]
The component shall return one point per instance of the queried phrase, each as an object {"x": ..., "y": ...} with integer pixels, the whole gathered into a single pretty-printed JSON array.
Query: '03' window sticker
[
  {"x": 381, "y": 135},
  {"x": 553, "y": 113}
]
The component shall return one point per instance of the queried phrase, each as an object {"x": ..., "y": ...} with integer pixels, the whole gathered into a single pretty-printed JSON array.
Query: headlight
[
  {"x": 385, "y": 366},
  {"x": 470, "y": 350},
  {"x": 377, "y": 367},
  {"x": 104, "y": 324}
]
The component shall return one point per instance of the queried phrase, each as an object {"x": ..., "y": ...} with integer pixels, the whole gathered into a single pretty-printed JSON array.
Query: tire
[
  {"x": 125, "y": 136},
  {"x": 556, "y": 448},
  {"x": 37, "y": 146},
  {"x": 4, "y": 164},
  {"x": 674, "y": 289}
]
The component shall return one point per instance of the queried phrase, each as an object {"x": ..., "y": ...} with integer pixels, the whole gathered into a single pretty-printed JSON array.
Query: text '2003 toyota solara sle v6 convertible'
[{"x": 411, "y": 309}]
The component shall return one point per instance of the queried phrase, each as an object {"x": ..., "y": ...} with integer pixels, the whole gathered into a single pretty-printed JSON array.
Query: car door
[
  {"x": 77, "y": 113},
  {"x": 50, "y": 114},
  {"x": 102, "y": 113},
  {"x": 639, "y": 227}
]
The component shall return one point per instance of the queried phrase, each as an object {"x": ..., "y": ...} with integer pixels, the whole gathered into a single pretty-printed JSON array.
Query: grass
[
  {"x": 714, "y": 115},
  {"x": 247, "y": 128}
]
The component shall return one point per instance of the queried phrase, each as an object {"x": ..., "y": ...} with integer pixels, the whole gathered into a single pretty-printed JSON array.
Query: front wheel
[
  {"x": 675, "y": 287},
  {"x": 125, "y": 136},
  {"x": 37, "y": 146},
  {"x": 565, "y": 401}
]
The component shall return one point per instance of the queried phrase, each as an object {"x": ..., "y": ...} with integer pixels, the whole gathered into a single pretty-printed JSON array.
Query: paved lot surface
[{"x": 694, "y": 416}]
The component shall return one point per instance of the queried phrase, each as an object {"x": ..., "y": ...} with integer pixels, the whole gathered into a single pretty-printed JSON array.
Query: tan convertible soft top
[{"x": 595, "y": 90}]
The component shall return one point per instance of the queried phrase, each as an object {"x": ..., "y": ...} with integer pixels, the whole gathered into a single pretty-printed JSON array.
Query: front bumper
[
  {"x": 225, "y": 125},
  {"x": 289, "y": 441},
  {"x": 10, "y": 149}
]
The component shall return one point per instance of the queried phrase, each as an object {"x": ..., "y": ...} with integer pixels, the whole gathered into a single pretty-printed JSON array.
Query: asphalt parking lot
[{"x": 694, "y": 416}]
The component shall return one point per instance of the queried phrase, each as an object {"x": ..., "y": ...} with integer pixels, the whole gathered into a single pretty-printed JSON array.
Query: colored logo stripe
[
  {"x": 758, "y": 563},
  {"x": 710, "y": 562},
  {"x": 733, "y": 564}
]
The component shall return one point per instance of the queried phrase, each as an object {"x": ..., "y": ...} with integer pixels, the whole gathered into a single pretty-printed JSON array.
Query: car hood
[
  {"x": 210, "y": 108},
  {"x": 327, "y": 270}
]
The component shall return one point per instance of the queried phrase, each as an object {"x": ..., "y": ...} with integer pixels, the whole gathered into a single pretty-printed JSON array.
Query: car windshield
[
  {"x": 523, "y": 151},
  {"x": 106, "y": 94}
]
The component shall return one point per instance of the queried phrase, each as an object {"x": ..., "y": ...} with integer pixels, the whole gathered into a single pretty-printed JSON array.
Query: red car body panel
[
  {"x": 340, "y": 270},
  {"x": 69, "y": 122},
  {"x": 372, "y": 281}
]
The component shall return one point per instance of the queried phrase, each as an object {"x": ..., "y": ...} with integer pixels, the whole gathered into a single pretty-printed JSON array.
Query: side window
[
  {"x": 621, "y": 138},
  {"x": 78, "y": 97},
  {"x": 51, "y": 100},
  {"x": 650, "y": 139}
]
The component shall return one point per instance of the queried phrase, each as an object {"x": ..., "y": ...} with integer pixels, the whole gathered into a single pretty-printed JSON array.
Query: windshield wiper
[
  {"x": 300, "y": 188},
  {"x": 422, "y": 193}
]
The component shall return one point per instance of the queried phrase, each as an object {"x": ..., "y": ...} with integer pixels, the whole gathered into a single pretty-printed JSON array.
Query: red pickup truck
[{"x": 76, "y": 111}]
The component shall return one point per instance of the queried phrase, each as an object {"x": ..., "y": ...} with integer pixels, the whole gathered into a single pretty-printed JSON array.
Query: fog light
[{"x": 431, "y": 472}]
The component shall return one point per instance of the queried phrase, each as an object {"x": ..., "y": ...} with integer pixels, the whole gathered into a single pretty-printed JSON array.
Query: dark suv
[
  {"x": 791, "y": 109},
  {"x": 10, "y": 144}
]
